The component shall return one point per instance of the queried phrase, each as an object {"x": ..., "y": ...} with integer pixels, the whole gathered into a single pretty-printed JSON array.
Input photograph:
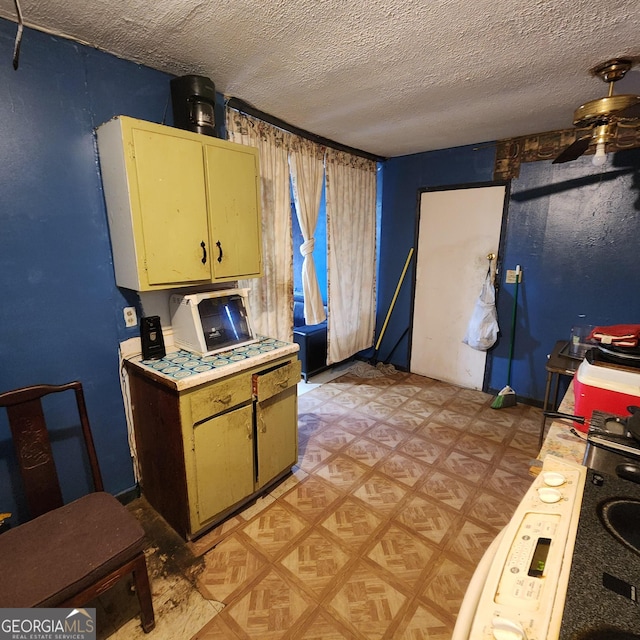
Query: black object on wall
[
  {"x": 152, "y": 338},
  {"x": 193, "y": 100}
]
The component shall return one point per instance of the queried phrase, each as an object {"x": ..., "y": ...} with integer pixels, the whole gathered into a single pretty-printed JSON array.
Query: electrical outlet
[
  {"x": 130, "y": 318},
  {"x": 511, "y": 276}
]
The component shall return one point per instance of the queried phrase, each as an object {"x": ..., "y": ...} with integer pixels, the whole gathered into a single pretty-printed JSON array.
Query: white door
[{"x": 458, "y": 229}]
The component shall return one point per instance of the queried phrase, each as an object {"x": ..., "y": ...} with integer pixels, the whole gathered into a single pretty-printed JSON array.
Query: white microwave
[{"x": 211, "y": 322}]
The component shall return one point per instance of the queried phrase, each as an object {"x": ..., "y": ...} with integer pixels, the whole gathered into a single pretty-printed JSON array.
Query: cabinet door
[
  {"x": 276, "y": 434},
  {"x": 275, "y": 391},
  {"x": 223, "y": 451},
  {"x": 233, "y": 190},
  {"x": 173, "y": 208}
]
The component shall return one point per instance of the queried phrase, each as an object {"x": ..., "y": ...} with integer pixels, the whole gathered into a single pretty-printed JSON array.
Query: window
[{"x": 319, "y": 251}]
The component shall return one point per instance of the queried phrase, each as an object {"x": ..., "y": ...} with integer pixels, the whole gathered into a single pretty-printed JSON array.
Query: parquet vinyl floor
[{"x": 402, "y": 483}]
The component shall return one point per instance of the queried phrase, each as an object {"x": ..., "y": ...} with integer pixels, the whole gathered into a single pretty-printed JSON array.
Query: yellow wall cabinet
[
  {"x": 183, "y": 208},
  {"x": 204, "y": 452}
]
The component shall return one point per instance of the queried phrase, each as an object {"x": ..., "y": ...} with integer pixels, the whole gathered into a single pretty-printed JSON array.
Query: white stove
[
  {"x": 518, "y": 590},
  {"x": 566, "y": 567}
]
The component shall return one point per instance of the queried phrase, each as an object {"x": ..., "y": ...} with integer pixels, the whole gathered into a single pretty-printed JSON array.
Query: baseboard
[{"x": 129, "y": 495}]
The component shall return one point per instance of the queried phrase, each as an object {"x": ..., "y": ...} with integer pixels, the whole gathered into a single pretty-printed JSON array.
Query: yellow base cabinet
[
  {"x": 205, "y": 451},
  {"x": 183, "y": 208},
  {"x": 275, "y": 409}
]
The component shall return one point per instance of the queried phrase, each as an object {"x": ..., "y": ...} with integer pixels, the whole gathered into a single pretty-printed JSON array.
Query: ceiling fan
[{"x": 602, "y": 115}]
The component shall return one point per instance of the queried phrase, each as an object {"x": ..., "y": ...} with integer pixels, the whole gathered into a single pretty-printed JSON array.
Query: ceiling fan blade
[{"x": 574, "y": 150}]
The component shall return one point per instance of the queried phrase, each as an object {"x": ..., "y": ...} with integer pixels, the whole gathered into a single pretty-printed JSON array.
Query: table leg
[
  {"x": 555, "y": 393},
  {"x": 545, "y": 407}
]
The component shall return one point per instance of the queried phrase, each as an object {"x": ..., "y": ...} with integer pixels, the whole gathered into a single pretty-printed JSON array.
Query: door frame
[{"x": 501, "y": 248}]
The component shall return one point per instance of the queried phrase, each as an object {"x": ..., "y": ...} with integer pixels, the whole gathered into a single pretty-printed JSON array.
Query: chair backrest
[{"x": 33, "y": 446}]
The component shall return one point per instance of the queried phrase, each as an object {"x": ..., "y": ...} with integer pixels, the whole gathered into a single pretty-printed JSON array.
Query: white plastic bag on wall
[{"x": 482, "y": 331}]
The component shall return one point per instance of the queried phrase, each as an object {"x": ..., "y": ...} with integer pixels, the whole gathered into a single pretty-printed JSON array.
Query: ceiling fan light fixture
[
  {"x": 594, "y": 111},
  {"x": 603, "y": 114},
  {"x": 600, "y": 156},
  {"x": 601, "y": 135}
]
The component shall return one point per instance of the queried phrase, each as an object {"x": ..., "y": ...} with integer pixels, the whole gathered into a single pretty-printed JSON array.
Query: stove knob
[
  {"x": 505, "y": 629},
  {"x": 553, "y": 478},
  {"x": 549, "y": 495}
]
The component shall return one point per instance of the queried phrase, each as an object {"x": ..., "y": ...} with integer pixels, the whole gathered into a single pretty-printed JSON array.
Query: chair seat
[{"x": 49, "y": 559}]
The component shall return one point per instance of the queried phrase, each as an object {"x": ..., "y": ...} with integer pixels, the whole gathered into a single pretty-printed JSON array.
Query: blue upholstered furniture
[{"x": 312, "y": 339}]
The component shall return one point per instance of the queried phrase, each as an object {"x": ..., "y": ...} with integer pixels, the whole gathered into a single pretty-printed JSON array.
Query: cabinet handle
[
  {"x": 226, "y": 400},
  {"x": 204, "y": 252},
  {"x": 263, "y": 425},
  {"x": 220, "y": 250}
]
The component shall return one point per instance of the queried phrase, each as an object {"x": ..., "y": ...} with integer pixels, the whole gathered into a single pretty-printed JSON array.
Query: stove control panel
[
  {"x": 523, "y": 594},
  {"x": 522, "y": 576}
]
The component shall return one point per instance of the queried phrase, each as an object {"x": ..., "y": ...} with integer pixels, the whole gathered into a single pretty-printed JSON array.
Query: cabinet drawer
[
  {"x": 220, "y": 396},
  {"x": 273, "y": 381}
]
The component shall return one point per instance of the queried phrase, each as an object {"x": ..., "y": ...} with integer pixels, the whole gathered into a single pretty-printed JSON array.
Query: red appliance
[{"x": 601, "y": 386}]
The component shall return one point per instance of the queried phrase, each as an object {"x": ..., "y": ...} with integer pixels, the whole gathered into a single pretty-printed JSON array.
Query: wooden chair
[{"x": 68, "y": 554}]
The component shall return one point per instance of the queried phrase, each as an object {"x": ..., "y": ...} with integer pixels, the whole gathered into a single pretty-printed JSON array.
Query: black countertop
[{"x": 593, "y": 611}]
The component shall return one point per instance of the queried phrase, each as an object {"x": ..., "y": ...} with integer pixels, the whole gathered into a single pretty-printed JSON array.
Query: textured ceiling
[{"x": 390, "y": 77}]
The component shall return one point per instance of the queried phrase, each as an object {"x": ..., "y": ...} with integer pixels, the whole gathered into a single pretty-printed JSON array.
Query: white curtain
[
  {"x": 271, "y": 297},
  {"x": 306, "y": 163},
  {"x": 351, "y": 242}
]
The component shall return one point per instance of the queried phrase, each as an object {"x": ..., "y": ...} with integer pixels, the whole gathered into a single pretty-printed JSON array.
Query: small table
[{"x": 558, "y": 364}]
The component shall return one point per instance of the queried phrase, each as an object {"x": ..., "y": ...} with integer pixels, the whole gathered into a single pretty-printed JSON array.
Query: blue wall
[
  {"x": 61, "y": 312},
  {"x": 574, "y": 228}
]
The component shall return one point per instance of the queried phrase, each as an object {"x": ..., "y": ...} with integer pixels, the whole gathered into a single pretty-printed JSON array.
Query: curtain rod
[{"x": 241, "y": 105}]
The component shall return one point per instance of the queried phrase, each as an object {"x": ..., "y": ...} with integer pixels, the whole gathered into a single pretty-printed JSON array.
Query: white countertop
[
  {"x": 182, "y": 370},
  {"x": 560, "y": 441}
]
